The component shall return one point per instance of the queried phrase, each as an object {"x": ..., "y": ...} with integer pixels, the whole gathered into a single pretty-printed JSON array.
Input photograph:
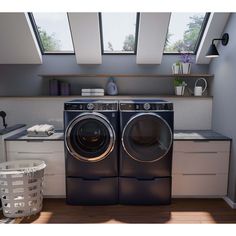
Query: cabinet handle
[
  {"x": 206, "y": 152},
  {"x": 35, "y": 153},
  {"x": 34, "y": 140},
  {"x": 49, "y": 174},
  {"x": 201, "y": 141},
  {"x": 199, "y": 174}
]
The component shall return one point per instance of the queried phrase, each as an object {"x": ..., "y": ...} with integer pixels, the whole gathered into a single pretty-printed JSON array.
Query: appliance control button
[
  {"x": 166, "y": 107},
  {"x": 146, "y": 106},
  {"x": 90, "y": 106}
]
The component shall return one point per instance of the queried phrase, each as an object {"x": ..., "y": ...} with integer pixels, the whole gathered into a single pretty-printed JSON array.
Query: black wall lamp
[{"x": 212, "y": 51}]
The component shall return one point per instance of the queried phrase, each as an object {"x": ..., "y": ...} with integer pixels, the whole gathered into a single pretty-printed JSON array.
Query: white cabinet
[
  {"x": 200, "y": 168},
  {"x": 52, "y": 152}
]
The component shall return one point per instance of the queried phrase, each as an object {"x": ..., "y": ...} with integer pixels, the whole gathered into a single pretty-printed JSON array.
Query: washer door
[
  {"x": 90, "y": 137},
  {"x": 147, "y": 137}
]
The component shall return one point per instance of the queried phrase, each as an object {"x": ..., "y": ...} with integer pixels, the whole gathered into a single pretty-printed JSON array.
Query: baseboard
[{"x": 230, "y": 202}]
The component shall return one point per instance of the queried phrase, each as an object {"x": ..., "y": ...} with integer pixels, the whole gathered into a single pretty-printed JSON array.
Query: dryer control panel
[{"x": 146, "y": 106}]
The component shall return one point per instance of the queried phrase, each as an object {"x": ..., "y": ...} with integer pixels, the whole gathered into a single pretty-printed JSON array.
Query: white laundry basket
[{"x": 21, "y": 187}]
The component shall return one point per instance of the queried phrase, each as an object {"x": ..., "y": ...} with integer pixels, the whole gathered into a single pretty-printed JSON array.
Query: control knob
[
  {"x": 90, "y": 106},
  {"x": 146, "y": 106}
]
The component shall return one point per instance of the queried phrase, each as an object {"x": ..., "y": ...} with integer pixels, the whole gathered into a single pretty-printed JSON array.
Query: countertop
[
  {"x": 179, "y": 135},
  {"x": 11, "y": 128},
  {"x": 184, "y": 135},
  {"x": 57, "y": 136}
]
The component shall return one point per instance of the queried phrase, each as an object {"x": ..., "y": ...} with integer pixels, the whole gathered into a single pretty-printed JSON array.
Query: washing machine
[
  {"x": 145, "y": 151},
  {"x": 91, "y": 151}
]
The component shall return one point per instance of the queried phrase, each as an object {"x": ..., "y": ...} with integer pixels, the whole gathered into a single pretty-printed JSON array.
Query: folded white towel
[{"x": 40, "y": 130}]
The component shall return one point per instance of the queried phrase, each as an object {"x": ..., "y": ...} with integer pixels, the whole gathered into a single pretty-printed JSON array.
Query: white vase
[
  {"x": 186, "y": 68},
  {"x": 179, "y": 90},
  {"x": 176, "y": 69}
]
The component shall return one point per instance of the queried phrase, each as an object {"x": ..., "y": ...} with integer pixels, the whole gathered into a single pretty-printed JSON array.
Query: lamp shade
[{"x": 212, "y": 51}]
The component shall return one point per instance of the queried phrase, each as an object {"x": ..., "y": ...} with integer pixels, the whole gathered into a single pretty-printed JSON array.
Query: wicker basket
[{"x": 21, "y": 187}]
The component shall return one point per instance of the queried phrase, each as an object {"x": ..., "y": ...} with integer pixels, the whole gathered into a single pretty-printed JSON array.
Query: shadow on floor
[{"x": 180, "y": 211}]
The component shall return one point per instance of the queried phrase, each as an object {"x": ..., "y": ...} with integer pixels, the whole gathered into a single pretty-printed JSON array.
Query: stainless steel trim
[
  {"x": 145, "y": 114},
  {"x": 103, "y": 120},
  {"x": 144, "y": 100},
  {"x": 90, "y": 111},
  {"x": 93, "y": 101},
  {"x": 146, "y": 111}
]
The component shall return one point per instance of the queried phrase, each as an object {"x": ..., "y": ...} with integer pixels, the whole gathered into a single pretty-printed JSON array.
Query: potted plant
[
  {"x": 176, "y": 68},
  {"x": 186, "y": 61},
  {"x": 179, "y": 86}
]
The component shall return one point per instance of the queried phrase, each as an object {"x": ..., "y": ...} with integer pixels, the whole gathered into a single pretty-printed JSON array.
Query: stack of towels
[
  {"x": 92, "y": 92},
  {"x": 40, "y": 130}
]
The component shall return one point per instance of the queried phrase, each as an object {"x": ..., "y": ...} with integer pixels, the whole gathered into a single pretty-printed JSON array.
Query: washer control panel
[
  {"x": 91, "y": 106},
  {"x": 146, "y": 106}
]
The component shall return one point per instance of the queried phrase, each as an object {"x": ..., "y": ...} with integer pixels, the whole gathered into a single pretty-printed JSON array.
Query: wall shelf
[
  {"x": 106, "y": 97},
  {"x": 130, "y": 75}
]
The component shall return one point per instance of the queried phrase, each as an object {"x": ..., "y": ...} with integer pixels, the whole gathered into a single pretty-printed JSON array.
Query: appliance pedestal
[{"x": 134, "y": 191}]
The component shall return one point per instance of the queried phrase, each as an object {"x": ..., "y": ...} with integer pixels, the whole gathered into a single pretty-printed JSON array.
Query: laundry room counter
[
  {"x": 182, "y": 135},
  {"x": 179, "y": 135},
  {"x": 57, "y": 136}
]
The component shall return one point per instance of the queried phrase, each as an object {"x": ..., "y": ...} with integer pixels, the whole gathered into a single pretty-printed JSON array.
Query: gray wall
[
  {"x": 23, "y": 80},
  {"x": 223, "y": 87}
]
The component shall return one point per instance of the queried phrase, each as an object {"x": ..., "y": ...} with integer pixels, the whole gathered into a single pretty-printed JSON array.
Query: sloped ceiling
[
  {"x": 85, "y": 33},
  {"x": 151, "y": 37},
  {"x": 214, "y": 29},
  {"x": 18, "y": 44}
]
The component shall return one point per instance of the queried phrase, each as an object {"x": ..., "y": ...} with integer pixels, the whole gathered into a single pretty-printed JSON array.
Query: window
[
  {"x": 53, "y": 32},
  {"x": 119, "y": 32},
  {"x": 185, "y": 32}
]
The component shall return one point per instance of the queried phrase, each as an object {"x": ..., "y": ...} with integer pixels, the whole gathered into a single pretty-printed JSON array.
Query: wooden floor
[{"x": 180, "y": 211}]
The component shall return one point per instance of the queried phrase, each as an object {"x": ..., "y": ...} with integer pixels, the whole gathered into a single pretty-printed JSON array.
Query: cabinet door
[
  {"x": 35, "y": 146},
  {"x": 55, "y": 161},
  {"x": 54, "y": 185},
  {"x": 201, "y": 146},
  {"x": 199, "y": 185},
  {"x": 200, "y": 162}
]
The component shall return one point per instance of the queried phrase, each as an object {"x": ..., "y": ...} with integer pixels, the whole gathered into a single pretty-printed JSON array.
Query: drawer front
[
  {"x": 54, "y": 185},
  {"x": 200, "y": 163},
  {"x": 92, "y": 192},
  {"x": 144, "y": 192},
  {"x": 55, "y": 161},
  {"x": 201, "y": 146},
  {"x": 35, "y": 146},
  {"x": 199, "y": 185}
]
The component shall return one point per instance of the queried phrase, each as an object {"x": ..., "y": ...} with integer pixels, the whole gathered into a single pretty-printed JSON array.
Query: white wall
[
  {"x": 190, "y": 113},
  {"x": 223, "y": 88}
]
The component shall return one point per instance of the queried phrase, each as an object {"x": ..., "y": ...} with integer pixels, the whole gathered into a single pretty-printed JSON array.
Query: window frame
[
  {"x": 119, "y": 53},
  {"x": 36, "y": 32},
  {"x": 199, "y": 39}
]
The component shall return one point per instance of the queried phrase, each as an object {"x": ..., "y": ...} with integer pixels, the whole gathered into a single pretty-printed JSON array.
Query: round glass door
[
  {"x": 90, "y": 137},
  {"x": 147, "y": 137}
]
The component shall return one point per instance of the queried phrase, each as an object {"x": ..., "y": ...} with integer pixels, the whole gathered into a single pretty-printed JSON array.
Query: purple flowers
[{"x": 186, "y": 58}]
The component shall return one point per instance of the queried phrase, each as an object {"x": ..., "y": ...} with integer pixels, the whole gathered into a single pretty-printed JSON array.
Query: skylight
[
  {"x": 118, "y": 32},
  {"x": 185, "y": 31},
  {"x": 53, "y": 32}
]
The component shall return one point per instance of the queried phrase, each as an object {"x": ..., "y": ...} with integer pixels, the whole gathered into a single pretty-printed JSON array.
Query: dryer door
[
  {"x": 147, "y": 137},
  {"x": 90, "y": 137}
]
